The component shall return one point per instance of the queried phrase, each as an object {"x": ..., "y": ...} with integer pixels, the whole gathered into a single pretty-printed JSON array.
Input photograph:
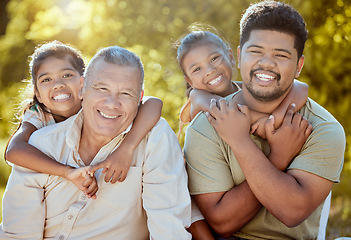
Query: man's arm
[
  {"x": 226, "y": 207},
  {"x": 23, "y": 206},
  {"x": 227, "y": 212},
  {"x": 166, "y": 199},
  {"x": 297, "y": 191}
]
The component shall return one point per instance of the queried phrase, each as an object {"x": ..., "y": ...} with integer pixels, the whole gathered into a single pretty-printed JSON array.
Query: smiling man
[
  {"x": 243, "y": 189},
  {"x": 153, "y": 202}
]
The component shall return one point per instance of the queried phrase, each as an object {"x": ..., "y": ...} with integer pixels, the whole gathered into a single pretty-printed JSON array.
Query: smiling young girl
[
  {"x": 208, "y": 65},
  {"x": 57, "y": 77}
]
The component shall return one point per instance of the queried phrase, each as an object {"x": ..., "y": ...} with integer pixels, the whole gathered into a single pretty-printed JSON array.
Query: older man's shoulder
[{"x": 53, "y": 129}]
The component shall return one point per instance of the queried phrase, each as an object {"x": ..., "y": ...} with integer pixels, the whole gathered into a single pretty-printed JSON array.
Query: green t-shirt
[{"x": 212, "y": 167}]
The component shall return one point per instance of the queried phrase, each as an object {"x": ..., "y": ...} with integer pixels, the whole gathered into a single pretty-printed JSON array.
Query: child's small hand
[
  {"x": 90, "y": 185},
  {"x": 258, "y": 128},
  {"x": 286, "y": 141},
  {"x": 116, "y": 166},
  {"x": 83, "y": 181}
]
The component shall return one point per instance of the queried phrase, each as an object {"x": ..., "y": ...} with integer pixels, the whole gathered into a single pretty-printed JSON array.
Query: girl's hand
[
  {"x": 83, "y": 181},
  {"x": 116, "y": 166},
  {"x": 232, "y": 121},
  {"x": 286, "y": 142},
  {"x": 258, "y": 128}
]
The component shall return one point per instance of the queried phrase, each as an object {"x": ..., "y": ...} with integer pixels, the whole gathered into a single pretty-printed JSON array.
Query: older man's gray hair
[{"x": 119, "y": 56}]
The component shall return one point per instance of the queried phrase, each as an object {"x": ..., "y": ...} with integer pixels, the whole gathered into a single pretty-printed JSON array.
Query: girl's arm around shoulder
[
  {"x": 298, "y": 95},
  {"x": 200, "y": 101},
  {"x": 21, "y": 153}
]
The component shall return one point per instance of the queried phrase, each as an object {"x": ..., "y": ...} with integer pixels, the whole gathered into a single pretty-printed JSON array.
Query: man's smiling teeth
[
  {"x": 264, "y": 77},
  {"x": 61, "y": 96},
  {"x": 214, "y": 81},
  {"x": 107, "y": 116}
]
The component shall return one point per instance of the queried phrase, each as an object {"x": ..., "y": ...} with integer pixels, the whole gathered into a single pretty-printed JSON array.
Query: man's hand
[
  {"x": 116, "y": 166},
  {"x": 286, "y": 141},
  {"x": 231, "y": 121},
  {"x": 83, "y": 181}
]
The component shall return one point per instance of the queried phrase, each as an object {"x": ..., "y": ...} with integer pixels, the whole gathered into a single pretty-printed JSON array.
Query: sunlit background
[{"x": 150, "y": 28}]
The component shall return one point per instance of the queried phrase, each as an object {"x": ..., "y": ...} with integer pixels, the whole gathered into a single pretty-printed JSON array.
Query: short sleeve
[
  {"x": 205, "y": 157},
  {"x": 33, "y": 118},
  {"x": 323, "y": 152}
]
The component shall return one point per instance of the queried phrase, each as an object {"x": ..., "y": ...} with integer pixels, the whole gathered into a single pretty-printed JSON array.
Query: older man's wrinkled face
[{"x": 111, "y": 98}]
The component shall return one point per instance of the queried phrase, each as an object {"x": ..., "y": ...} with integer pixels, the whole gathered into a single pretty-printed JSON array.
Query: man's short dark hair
[{"x": 276, "y": 16}]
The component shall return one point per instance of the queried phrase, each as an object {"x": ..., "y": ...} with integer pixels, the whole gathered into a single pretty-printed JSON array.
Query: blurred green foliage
[{"x": 149, "y": 28}]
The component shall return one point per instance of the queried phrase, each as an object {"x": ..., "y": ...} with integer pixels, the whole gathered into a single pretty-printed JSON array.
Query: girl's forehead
[
  {"x": 207, "y": 48},
  {"x": 56, "y": 63}
]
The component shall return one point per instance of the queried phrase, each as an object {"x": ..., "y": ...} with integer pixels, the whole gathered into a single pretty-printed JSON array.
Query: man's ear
[
  {"x": 187, "y": 79},
  {"x": 299, "y": 66},
  {"x": 81, "y": 87},
  {"x": 37, "y": 94},
  {"x": 141, "y": 96},
  {"x": 238, "y": 52}
]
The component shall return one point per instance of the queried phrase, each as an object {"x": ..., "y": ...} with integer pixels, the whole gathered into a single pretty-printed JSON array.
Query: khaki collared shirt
[
  {"x": 152, "y": 203},
  {"x": 212, "y": 167}
]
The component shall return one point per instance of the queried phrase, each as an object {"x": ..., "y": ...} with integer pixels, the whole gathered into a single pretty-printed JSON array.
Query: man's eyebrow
[
  {"x": 276, "y": 49},
  {"x": 98, "y": 84},
  {"x": 254, "y": 45},
  {"x": 283, "y": 50}
]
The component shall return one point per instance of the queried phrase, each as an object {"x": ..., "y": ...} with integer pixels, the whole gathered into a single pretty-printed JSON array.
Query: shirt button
[
  {"x": 61, "y": 237},
  {"x": 70, "y": 217}
]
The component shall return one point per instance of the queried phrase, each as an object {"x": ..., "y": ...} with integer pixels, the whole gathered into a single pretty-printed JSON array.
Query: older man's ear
[
  {"x": 81, "y": 89},
  {"x": 141, "y": 96}
]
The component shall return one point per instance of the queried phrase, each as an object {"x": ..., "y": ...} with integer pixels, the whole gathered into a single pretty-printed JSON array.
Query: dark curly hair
[{"x": 276, "y": 16}]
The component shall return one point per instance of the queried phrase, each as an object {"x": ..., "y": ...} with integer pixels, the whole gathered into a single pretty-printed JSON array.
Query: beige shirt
[
  {"x": 152, "y": 203},
  {"x": 212, "y": 167}
]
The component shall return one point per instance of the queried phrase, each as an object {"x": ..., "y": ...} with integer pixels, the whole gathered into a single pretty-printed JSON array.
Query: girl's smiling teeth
[
  {"x": 107, "y": 116},
  {"x": 216, "y": 80},
  {"x": 62, "y": 96},
  {"x": 264, "y": 77}
]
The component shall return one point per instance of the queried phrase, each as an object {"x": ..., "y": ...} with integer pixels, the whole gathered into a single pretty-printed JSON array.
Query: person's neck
[
  {"x": 58, "y": 118},
  {"x": 89, "y": 146},
  {"x": 258, "y": 109}
]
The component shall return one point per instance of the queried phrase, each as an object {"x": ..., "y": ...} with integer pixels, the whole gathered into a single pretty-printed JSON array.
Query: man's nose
[
  {"x": 113, "y": 101},
  {"x": 267, "y": 62}
]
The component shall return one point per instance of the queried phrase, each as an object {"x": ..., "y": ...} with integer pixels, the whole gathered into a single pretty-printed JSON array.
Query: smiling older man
[{"x": 153, "y": 202}]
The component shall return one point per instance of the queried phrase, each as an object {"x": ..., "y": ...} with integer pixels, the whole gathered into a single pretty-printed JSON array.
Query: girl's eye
[
  {"x": 45, "y": 80},
  {"x": 67, "y": 75},
  {"x": 214, "y": 59},
  {"x": 197, "y": 69}
]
